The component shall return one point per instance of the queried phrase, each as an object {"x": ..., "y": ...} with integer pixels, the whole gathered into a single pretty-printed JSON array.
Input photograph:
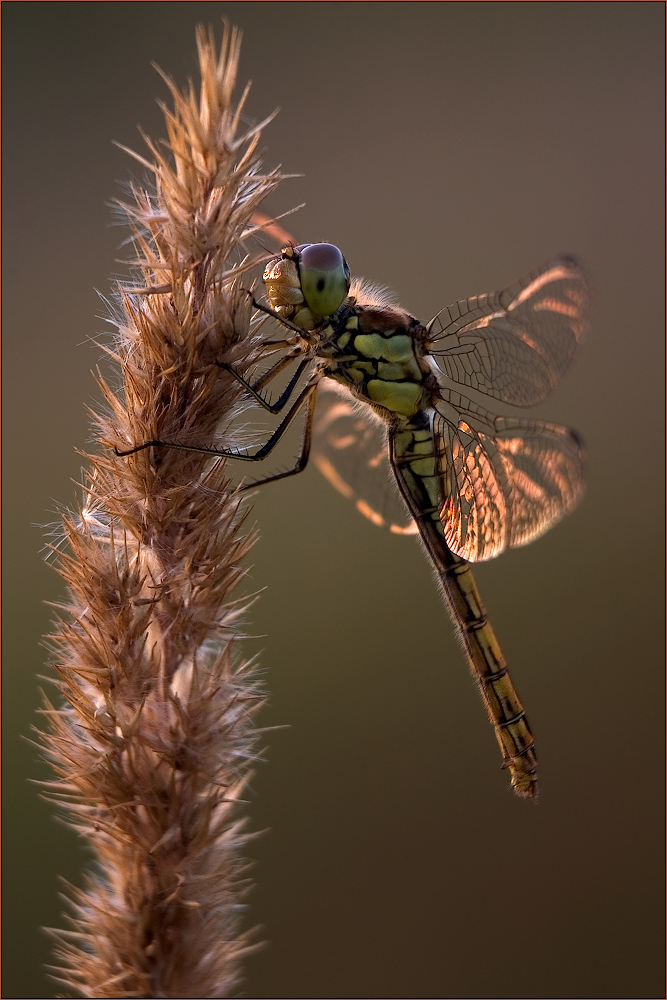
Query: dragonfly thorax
[
  {"x": 373, "y": 348},
  {"x": 375, "y": 353}
]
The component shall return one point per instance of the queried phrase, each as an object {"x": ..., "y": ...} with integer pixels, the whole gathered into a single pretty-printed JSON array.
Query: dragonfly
[{"x": 400, "y": 397}]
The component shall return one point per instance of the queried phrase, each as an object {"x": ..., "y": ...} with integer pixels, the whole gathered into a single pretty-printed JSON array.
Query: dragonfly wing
[
  {"x": 515, "y": 344},
  {"x": 504, "y": 485},
  {"x": 545, "y": 469},
  {"x": 350, "y": 450},
  {"x": 475, "y": 489}
]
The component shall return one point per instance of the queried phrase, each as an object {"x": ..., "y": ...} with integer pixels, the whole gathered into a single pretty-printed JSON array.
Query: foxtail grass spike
[{"x": 151, "y": 734}]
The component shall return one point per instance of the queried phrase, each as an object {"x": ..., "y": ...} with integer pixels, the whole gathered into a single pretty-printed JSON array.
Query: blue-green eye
[{"x": 325, "y": 277}]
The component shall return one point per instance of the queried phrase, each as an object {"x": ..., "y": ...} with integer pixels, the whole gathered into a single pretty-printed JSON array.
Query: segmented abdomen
[{"x": 418, "y": 476}]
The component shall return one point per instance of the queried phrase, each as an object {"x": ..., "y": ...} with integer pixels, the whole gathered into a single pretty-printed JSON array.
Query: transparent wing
[
  {"x": 504, "y": 481},
  {"x": 350, "y": 450},
  {"x": 515, "y": 344}
]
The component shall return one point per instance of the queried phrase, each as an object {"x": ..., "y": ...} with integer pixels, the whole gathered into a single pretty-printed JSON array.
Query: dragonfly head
[{"x": 307, "y": 283}]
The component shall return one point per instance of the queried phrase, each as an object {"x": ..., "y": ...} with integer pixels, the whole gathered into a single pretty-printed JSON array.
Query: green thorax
[{"x": 375, "y": 353}]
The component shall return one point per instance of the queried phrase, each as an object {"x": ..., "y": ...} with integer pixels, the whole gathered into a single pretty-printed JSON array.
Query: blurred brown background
[{"x": 448, "y": 148}]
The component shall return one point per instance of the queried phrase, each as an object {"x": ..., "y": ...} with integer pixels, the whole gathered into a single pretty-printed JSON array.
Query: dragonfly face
[
  {"x": 473, "y": 483},
  {"x": 307, "y": 283}
]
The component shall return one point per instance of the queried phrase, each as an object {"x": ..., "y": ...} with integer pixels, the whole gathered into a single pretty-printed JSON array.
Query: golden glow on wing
[
  {"x": 559, "y": 272},
  {"x": 350, "y": 450},
  {"x": 371, "y": 514},
  {"x": 554, "y": 305},
  {"x": 505, "y": 488},
  {"x": 515, "y": 344},
  {"x": 272, "y": 227},
  {"x": 410, "y": 529},
  {"x": 343, "y": 440},
  {"x": 328, "y": 471}
]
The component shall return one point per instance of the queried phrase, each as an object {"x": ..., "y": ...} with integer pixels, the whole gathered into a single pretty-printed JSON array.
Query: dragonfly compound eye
[{"x": 325, "y": 277}]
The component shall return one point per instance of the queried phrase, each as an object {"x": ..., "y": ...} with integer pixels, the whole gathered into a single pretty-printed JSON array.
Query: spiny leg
[
  {"x": 302, "y": 460},
  {"x": 252, "y": 389},
  {"x": 276, "y": 369},
  {"x": 265, "y": 450},
  {"x": 264, "y": 379},
  {"x": 294, "y": 351}
]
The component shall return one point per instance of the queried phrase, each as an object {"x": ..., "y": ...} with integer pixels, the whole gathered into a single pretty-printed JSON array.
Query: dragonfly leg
[
  {"x": 266, "y": 449},
  {"x": 302, "y": 460},
  {"x": 275, "y": 315},
  {"x": 252, "y": 389},
  {"x": 275, "y": 369},
  {"x": 262, "y": 381}
]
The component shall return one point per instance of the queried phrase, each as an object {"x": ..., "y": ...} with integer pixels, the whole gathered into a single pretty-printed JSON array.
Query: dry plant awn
[{"x": 153, "y": 746}]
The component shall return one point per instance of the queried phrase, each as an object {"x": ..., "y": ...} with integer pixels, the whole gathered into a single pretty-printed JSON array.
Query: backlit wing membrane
[
  {"x": 515, "y": 344},
  {"x": 504, "y": 488},
  {"x": 350, "y": 450}
]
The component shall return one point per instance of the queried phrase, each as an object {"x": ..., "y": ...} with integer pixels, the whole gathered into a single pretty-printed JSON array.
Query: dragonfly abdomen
[
  {"x": 414, "y": 463},
  {"x": 489, "y": 668}
]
